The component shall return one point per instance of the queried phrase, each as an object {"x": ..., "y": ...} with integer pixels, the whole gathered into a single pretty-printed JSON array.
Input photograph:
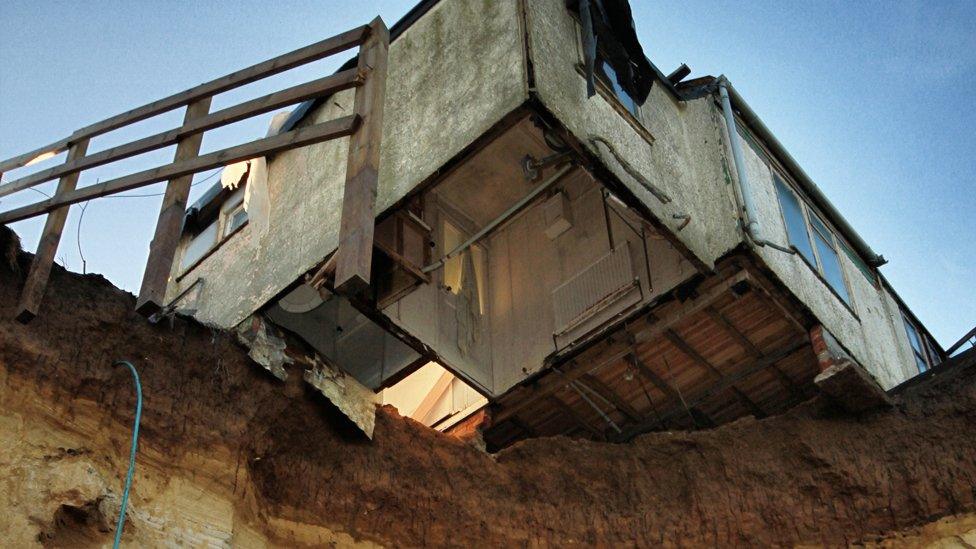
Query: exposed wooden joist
[
  {"x": 725, "y": 383},
  {"x": 612, "y": 397},
  {"x": 316, "y": 88},
  {"x": 691, "y": 353},
  {"x": 354, "y": 255},
  {"x": 570, "y": 412},
  {"x": 307, "y": 54},
  {"x": 656, "y": 326},
  {"x": 33, "y": 291},
  {"x": 700, "y": 418},
  {"x": 170, "y": 223},
  {"x": 289, "y": 140},
  {"x": 751, "y": 348},
  {"x": 551, "y": 383}
]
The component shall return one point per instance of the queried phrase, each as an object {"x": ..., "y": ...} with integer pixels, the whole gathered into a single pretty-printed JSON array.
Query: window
[
  {"x": 918, "y": 347},
  {"x": 796, "y": 226},
  {"x": 232, "y": 213},
  {"x": 812, "y": 239},
  {"x": 199, "y": 246},
  {"x": 829, "y": 262},
  {"x": 608, "y": 76},
  {"x": 235, "y": 219}
]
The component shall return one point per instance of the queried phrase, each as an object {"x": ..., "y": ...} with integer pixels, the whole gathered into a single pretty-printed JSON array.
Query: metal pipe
[
  {"x": 752, "y": 227},
  {"x": 804, "y": 180},
  {"x": 500, "y": 219}
]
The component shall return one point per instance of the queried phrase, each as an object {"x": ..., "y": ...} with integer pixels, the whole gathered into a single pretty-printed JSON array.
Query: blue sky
[{"x": 874, "y": 99}]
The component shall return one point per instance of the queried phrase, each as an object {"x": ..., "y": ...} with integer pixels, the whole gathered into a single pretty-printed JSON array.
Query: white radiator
[{"x": 595, "y": 295}]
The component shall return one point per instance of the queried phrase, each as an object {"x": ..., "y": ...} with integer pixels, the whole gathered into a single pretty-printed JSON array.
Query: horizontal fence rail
[{"x": 363, "y": 128}]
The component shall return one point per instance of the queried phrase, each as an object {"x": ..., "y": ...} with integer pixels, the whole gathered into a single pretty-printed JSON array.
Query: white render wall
[{"x": 452, "y": 75}]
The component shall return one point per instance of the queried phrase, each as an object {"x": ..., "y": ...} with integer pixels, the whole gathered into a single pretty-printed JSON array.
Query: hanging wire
[
  {"x": 85, "y": 207},
  {"x": 215, "y": 172}
]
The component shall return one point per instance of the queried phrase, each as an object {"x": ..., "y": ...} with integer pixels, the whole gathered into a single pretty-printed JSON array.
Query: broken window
[{"x": 609, "y": 77}]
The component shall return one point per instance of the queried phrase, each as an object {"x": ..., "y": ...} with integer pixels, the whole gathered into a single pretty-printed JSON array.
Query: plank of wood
[
  {"x": 355, "y": 251},
  {"x": 750, "y": 348},
  {"x": 570, "y": 412},
  {"x": 552, "y": 383},
  {"x": 300, "y": 137},
  {"x": 699, "y": 417},
  {"x": 170, "y": 222},
  {"x": 611, "y": 396},
  {"x": 436, "y": 392},
  {"x": 695, "y": 357},
  {"x": 725, "y": 383},
  {"x": 682, "y": 311},
  {"x": 40, "y": 271},
  {"x": 290, "y": 60},
  {"x": 324, "y": 86}
]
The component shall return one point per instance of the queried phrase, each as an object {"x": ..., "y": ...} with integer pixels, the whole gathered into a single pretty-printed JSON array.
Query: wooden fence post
[
  {"x": 355, "y": 252},
  {"x": 169, "y": 226},
  {"x": 40, "y": 271}
]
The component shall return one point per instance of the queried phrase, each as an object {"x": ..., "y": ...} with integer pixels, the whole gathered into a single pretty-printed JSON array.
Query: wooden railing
[{"x": 363, "y": 127}]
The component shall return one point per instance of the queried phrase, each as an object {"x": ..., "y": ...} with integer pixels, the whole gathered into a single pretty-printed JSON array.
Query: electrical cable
[{"x": 132, "y": 453}]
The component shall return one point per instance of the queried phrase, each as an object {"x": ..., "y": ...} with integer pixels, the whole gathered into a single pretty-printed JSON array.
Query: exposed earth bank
[{"x": 231, "y": 456}]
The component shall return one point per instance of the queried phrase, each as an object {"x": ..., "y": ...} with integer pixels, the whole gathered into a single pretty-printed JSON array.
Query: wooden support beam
[
  {"x": 750, "y": 348},
  {"x": 612, "y": 397},
  {"x": 559, "y": 404},
  {"x": 324, "y": 48},
  {"x": 552, "y": 383},
  {"x": 355, "y": 251},
  {"x": 677, "y": 312},
  {"x": 300, "y": 137},
  {"x": 726, "y": 382},
  {"x": 170, "y": 222},
  {"x": 700, "y": 418},
  {"x": 691, "y": 353},
  {"x": 40, "y": 271},
  {"x": 316, "y": 88}
]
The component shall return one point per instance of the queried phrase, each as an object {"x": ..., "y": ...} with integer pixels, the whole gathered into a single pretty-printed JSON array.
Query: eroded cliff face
[{"x": 231, "y": 456}]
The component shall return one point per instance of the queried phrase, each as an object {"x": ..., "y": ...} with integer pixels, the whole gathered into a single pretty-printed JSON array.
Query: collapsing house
[{"x": 533, "y": 231}]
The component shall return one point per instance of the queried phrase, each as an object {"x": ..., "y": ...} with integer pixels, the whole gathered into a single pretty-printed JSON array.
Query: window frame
[
  {"x": 606, "y": 90},
  {"x": 230, "y": 206},
  {"x": 925, "y": 354},
  {"x": 833, "y": 242}
]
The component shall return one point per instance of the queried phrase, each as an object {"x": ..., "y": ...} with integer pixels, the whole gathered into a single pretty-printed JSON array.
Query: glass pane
[
  {"x": 820, "y": 227},
  {"x": 922, "y": 366},
  {"x": 199, "y": 246},
  {"x": 796, "y": 227},
  {"x": 611, "y": 80},
  {"x": 238, "y": 218},
  {"x": 913, "y": 337},
  {"x": 831, "y": 267}
]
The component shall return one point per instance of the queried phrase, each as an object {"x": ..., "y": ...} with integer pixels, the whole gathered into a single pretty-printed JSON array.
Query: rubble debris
[
  {"x": 356, "y": 401},
  {"x": 264, "y": 348}
]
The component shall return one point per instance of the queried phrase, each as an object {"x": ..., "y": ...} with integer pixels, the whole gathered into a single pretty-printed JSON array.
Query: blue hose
[{"x": 132, "y": 453}]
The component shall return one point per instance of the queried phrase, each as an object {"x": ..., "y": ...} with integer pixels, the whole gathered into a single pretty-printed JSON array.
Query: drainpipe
[{"x": 752, "y": 227}]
